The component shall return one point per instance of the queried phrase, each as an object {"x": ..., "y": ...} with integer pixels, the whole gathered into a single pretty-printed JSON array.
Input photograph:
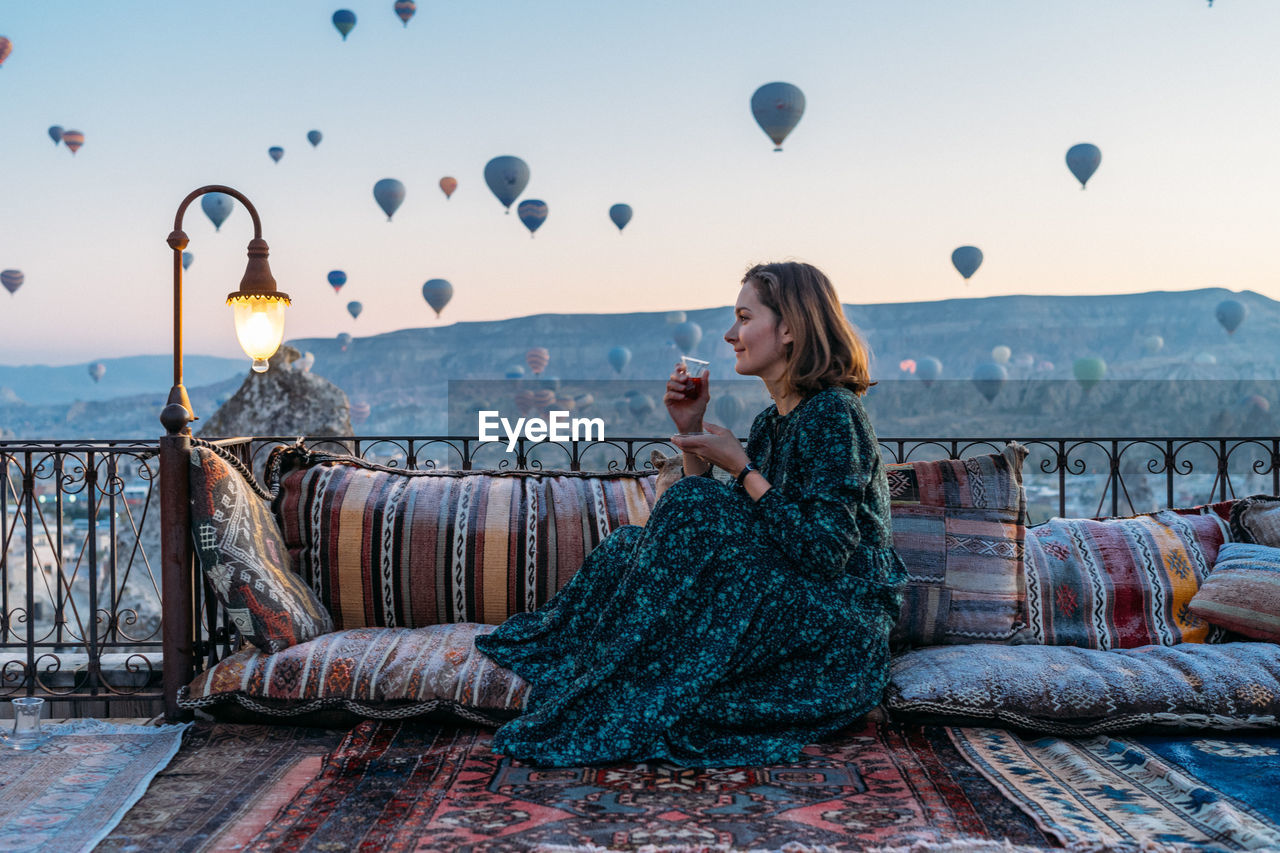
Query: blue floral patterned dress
[{"x": 725, "y": 632}]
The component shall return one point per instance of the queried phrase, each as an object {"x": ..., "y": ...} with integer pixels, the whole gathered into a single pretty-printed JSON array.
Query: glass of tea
[{"x": 696, "y": 370}]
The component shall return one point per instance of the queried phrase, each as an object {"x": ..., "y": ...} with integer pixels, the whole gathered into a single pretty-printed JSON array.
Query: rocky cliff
[{"x": 286, "y": 400}]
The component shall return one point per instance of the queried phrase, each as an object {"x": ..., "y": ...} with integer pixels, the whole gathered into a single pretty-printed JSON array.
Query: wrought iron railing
[{"x": 80, "y": 584}]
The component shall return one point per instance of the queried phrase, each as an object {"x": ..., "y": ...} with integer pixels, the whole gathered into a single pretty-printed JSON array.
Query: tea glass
[
  {"x": 26, "y": 724},
  {"x": 696, "y": 371}
]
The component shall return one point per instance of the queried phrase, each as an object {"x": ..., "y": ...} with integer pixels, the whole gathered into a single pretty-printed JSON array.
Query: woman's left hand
[{"x": 718, "y": 446}]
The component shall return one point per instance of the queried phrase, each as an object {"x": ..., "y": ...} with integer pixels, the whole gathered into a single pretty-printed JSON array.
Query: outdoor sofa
[{"x": 353, "y": 590}]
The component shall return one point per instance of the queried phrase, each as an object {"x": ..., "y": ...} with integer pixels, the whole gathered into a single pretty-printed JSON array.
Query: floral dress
[{"x": 725, "y": 632}]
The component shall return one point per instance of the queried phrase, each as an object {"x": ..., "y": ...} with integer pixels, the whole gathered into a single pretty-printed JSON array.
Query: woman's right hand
[{"x": 686, "y": 412}]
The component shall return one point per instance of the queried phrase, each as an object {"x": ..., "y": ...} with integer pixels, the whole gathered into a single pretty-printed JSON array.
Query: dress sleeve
[{"x": 829, "y": 472}]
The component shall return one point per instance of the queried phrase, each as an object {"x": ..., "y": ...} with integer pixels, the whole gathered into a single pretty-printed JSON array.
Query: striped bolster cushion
[
  {"x": 386, "y": 547},
  {"x": 959, "y": 526},
  {"x": 1242, "y": 592},
  {"x": 382, "y": 673}
]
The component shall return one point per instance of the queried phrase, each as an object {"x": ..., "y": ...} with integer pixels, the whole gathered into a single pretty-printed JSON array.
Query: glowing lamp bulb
[{"x": 259, "y": 326}]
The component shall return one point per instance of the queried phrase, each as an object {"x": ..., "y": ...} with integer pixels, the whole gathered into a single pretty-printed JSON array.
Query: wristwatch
[{"x": 742, "y": 475}]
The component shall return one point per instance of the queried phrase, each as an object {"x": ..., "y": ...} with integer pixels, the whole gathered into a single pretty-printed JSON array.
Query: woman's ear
[{"x": 784, "y": 334}]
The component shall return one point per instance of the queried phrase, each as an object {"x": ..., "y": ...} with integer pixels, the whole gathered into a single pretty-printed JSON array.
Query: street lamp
[
  {"x": 259, "y": 317},
  {"x": 257, "y": 306}
]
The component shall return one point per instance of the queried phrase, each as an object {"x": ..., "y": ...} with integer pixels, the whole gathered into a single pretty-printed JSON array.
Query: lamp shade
[{"x": 259, "y": 325}]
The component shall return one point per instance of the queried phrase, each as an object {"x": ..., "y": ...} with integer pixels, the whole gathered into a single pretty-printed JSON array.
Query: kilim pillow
[
  {"x": 245, "y": 560},
  {"x": 1242, "y": 593},
  {"x": 387, "y": 547},
  {"x": 1068, "y": 690},
  {"x": 959, "y": 526},
  {"x": 1256, "y": 520},
  {"x": 1120, "y": 583},
  {"x": 386, "y": 673}
]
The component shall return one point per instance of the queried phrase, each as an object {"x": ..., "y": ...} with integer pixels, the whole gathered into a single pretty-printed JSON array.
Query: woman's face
[{"x": 758, "y": 337}]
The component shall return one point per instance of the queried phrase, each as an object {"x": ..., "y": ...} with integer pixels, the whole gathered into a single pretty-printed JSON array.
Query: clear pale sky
[{"x": 930, "y": 124}]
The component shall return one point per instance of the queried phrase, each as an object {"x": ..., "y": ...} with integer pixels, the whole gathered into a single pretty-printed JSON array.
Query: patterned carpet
[
  {"x": 1220, "y": 794},
  {"x": 71, "y": 791},
  {"x": 393, "y": 786},
  {"x": 224, "y": 776}
]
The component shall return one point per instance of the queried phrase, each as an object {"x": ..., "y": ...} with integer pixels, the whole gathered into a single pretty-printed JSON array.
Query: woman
[{"x": 741, "y": 622}]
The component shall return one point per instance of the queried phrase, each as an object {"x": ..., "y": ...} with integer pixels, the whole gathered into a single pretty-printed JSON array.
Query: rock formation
[{"x": 285, "y": 401}]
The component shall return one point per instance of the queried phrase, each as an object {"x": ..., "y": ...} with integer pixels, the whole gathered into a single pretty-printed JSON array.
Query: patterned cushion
[
  {"x": 959, "y": 526},
  {"x": 1242, "y": 592},
  {"x": 1256, "y": 520},
  {"x": 1119, "y": 583},
  {"x": 386, "y": 547},
  {"x": 384, "y": 673},
  {"x": 1069, "y": 690},
  {"x": 246, "y": 561}
]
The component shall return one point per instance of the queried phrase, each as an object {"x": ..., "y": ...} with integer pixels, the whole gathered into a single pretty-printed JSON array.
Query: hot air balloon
[
  {"x": 1205, "y": 357},
  {"x": 97, "y": 370},
  {"x": 907, "y": 365},
  {"x": 217, "y": 206},
  {"x": 314, "y": 137},
  {"x": 675, "y": 317},
  {"x": 448, "y": 185},
  {"x": 619, "y": 358},
  {"x": 988, "y": 377},
  {"x": 1044, "y": 366},
  {"x": 1231, "y": 314},
  {"x": 966, "y": 260},
  {"x": 389, "y": 193},
  {"x": 777, "y": 108},
  {"x": 187, "y": 259},
  {"x": 515, "y": 371},
  {"x": 345, "y": 21},
  {"x": 12, "y": 280},
  {"x": 532, "y": 212},
  {"x": 337, "y": 278},
  {"x": 275, "y": 152},
  {"x": 306, "y": 362},
  {"x": 507, "y": 177},
  {"x": 728, "y": 409},
  {"x": 1000, "y": 354},
  {"x": 405, "y": 10},
  {"x": 1152, "y": 344},
  {"x": 354, "y": 309},
  {"x": 360, "y": 412},
  {"x": 928, "y": 369},
  {"x": 537, "y": 359},
  {"x": 344, "y": 340},
  {"x": 1254, "y": 403},
  {"x": 55, "y": 133},
  {"x": 6, "y": 48},
  {"x": 640, "y": 404},
  {"x": 73, "y": 139},
  {"x": 687, "y": 335},
  {"x": 1083, "y": 160},
  {"x": 437, "y": 292},
  {"x": 620, "y": 214},
  {"x": 1088, "y": 371}
]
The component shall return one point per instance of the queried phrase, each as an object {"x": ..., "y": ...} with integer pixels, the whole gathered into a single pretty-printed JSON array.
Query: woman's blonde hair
[{"x": 825, "y": 348}]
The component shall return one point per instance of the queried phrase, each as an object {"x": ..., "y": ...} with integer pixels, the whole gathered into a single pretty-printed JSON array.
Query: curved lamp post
[{"x": 259, "y": 317}]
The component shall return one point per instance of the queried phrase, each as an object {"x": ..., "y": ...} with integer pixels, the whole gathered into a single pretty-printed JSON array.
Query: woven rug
[
  {"x": 1221, "y": 794},
  {"x": 405, "y": 786},
  {"x": 69, "y": 793},
  {"x": 226, "y": 775}
]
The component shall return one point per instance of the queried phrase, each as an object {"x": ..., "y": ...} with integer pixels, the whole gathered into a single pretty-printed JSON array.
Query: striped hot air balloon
[
  {"x": 532, "y": 212},
  {"x": 12, "y": 280},
  {"x": 6, "y": 48},
  {"x": 73, "y": 139},
  {"x": 360, "y": 412},
  {"x": 405, "y": 10},
  {"x": 537, "y": 359},
  {"x": 448, "y": 185}
]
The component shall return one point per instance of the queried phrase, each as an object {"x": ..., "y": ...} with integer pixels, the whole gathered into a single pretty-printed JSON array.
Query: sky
[{"x": 930, "y": 124}]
